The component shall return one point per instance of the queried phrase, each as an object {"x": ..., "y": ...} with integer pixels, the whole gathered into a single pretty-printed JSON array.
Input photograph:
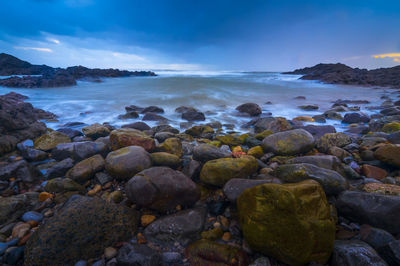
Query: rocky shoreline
[
  {"x": 342, "y": 74},
  {"x": 25, "y": 75},
  {"x": 283, "y": 193}
]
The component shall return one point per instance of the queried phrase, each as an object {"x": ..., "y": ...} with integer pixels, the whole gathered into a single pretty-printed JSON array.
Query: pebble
[
  {"x": 43, "y": 196},
  {"x": 226, "y": 236},
  {"x": 110, "y": 253},
  {"x": 145, "y": 220},
  {"x": 32, "y": 216},
  {"x": 140, "y": 238},
  {"x": 20, "y": 230},
  {"x": 95, "y": 190},
  {"x": 116, "y": 196}
]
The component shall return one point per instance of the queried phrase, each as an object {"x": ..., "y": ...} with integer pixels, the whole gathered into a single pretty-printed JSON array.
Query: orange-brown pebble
[
  {"x": 12, "y": 179},
  {"x": 178, "y": 207},
  {"x": 141, "y": 239},
  {"x": 32, "y": 223},
  {"x": 23, "y": 240},
  {"x": 43, "y": 196},
  {"x": 226, "y": 236},
  {"x": 20, "y": 230},
  {"x": 107, "y": 185},
  {"x": 216, "y": 224},
  {"x": 224, "y": 221},
  {"x": 146, "y": 219},
  {"x": 95, "y": 190}
]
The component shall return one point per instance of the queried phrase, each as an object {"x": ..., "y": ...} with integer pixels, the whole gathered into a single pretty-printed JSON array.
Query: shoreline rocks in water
[
  {"x": 282, "y": 192},
  {"x": 42, "y": 76}
]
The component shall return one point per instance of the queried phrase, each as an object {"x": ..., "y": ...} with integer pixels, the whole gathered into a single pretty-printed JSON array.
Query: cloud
[
  {"x": 396, "y": 60},
  {"x": 40, "y": 49},
  {"x": 387, "y": 55},
  {"x": 53, "y": 40}
]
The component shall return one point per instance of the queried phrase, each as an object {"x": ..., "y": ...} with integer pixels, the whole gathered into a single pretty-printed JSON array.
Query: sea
[{"x": 217, "y": 94}]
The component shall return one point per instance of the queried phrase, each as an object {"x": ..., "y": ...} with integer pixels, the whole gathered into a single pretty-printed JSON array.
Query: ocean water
[{"x": 215, "y": 93}]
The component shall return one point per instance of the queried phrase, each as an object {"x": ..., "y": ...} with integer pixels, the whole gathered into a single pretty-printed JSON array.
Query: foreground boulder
[
  {"x": 124, "y": 137},
  {"x": 91, "y": 225},
  {"x": 330, "y": 140},
  {"x": 126, "y": 162},
  {"x": 291, "y": 222},
  {"x": 218, "y": 172},
  {"x": 86, "y": 169},
  {"x": 162, "y": 189},
  {"x": 96, "y": 131},
  {"x": 382, "y": 211},
  {"x": 332, "y": 182},
  {"x": 290, "y": 142},
  {"x": 78, "y": 150},
  {"x": 50, "y": 140},
  {"x": 274, "y": 124},
  {"x": 389, "y": 154},
  {"x": 252, "y": 109},
  {"x": 206, "y": 152}
]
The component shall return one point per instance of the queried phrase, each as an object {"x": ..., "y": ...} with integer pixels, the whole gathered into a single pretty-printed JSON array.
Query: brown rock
[{"x": 373, "y": 172}]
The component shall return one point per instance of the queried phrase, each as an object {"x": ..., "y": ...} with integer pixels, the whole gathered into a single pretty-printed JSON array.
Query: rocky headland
[
  {"x": 25, "y": 75},
  {"x": 342, "y": 74},
  {"x": 282, "y": 193}
]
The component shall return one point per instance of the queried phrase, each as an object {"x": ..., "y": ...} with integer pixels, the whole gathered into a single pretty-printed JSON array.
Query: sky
[{"x": 251, "y": 35}]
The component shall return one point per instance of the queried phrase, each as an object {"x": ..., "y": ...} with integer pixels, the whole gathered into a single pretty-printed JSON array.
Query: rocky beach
[{"x": 278, "y": 192}]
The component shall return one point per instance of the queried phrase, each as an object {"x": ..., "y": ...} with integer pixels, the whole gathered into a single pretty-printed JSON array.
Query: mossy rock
[
  {"x": 290, "y": 222},
  {"x": 165, "y": 159},
  {"x": 85, "y": 170},
  {"x": 391, "y": 127},
  {"x": 230, "y": 140},
  {"x": 50, "y": 140},
  {"x": 333, "y": 139},
  {"x": 256, "y": 152},
  {"x": 62, "y": 185},
  {"x": 290, "y": 142},
  {"x": 262, "y": 135},
  {"x": 389, "y": 154},
  {"x": 212, "y": 234},
  {"x": 125, "y": 137},
  {"x": 218, "y": 172},
  {"x": 385, "y": 189},
  {"x": 171, "y": 145},
  {"x": 304, "y": 119},
  {"x": 96, "y": 131},
  {"x": 200, "y": 131}
]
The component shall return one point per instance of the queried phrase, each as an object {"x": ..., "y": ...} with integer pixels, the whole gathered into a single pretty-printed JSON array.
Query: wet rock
[
  {"x": 290, "y": 222},
  {"x": 354, "y": 253},
  {"x": 137, "y": 125},
  {"x": 192, "y": 169},
  {"x": 357, "y": 206},
  {"x": 351, "y": 118},
  {"x": 50, "y": 140},
  {"x": 71, "y": 133},
  {"x": 135, "y": 254},
  {"x": 13, "y": 255},
  {"x": 86, "y": 169},
  {"x": 129, "y": 115},
  {"x": 200, "y": 131},
  {"x": 162, "y": 136},
  {"x": 13, "y": 207},
  {"x": 378, "y": 188},
  {"x": 319, "y": 118},
  {"x": 103, "y": 178},
  {"x": 154, "y": 117},
  {"x": 391, "y": 127},
  {"x": 32, "y": 216},
  {"x": 310, "y": 107},
  {"x": 162, "y": 189},
  {"x": 78, "y": 150},
  {"x": 91, "y": 225},
  {"x": 152, "y": 109},
  {"x": 21, "y": 170},
  {"x": 323, "y": 161},
  {"x": 130, "y": 137},
  {"x": 184, "y": 109},
  {"x": 275, "y": 124},
  {"x": 252, "y": 109},
  {"x": 331, "y": 181},
  {"x": 391, "y": 253},
  {"x": 375, "y": 237},
  {"x": 126, "y": 162},
  {"x": 61, "y": 185},
  {"x": 183, "y": 227},
  {"x": 218, "y": 172},
  {"x": 319, "y": 131},
  {"x": 371, "y": 171},
  {"x": 234, "y": 187},
  {"x": 205, "y": 252},
  {"x": 171, "y": 145},
  {"x": 289, "y": 142},
  {"x": 59, "y": 169},
  {"x": 394, "y": 138},
  {"x": 206, "y": 152},
  {"x": 388, "y": 154},
  {"x": 96, "y": 131},
  {"x": 333, "y": 139},
  {"x": 193, "y": 116},
  {"x": 165, "y": 159}
]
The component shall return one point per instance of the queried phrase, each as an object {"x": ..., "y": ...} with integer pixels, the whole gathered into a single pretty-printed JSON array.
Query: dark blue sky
[{"x": 220, "y": 34}]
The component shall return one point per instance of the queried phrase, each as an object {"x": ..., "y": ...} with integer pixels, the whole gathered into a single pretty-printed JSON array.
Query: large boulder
[
  {"x": 291, "y": 222},
  {"x": 59, "y": 169},
  {"x": 206, "y": 152},
  {"x": 382, "y": 211},
  {"x": 78, "y": 150},
  {"x": 50, "y": 140},
  {"x": 193, "y": 116},
  {"x": 323, "y": 161},
  {"x": 275, "y": 124},
  {"x": 124, "y": 137},
  {"x": 319, "y": 131},
  {"x": 351, "y": 118},
  {"x": 171, "y": 145},
  {"x": 218, "y": 172},
  {"x": 331, "y": 181},
  {"x": 183, "y": 227},
  {"x": 252, "y": 109},
  {"x": 126, "y": 162},
  {"x": 200, "y": 131},
  {"x": 21, "y": 170},
  {"x": 389, "y": 154},
  {"x": 165, "y": 159},
  {"x": 333, "y": 139},
  {"x": 86, "y": 169},
  {"x": 162, "y": 189},
  {"x": 289, "y": 142},
  {"x": 82, "y": 229},
  {"x": 96, "y": 131}
]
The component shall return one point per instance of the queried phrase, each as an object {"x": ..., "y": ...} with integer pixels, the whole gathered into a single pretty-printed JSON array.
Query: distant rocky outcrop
[
  {"x": 342, "y": 74},
  {"x": 42, "y": 76}
]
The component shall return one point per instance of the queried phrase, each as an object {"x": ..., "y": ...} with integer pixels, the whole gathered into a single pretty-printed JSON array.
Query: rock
[
  {"x": 78, "y": 150},
  {"x": 354, "y": 253},
  {"x": 96, "y": 131},
  {"x": 162, "y": 136},
  {"x": 319, "y": 118},
  {"x": 71, "y": 133},
  {"x": 391, "y": 127},
  {"x": 131, "y": 137},
  {"x": 356, "y": 206},
  {"x": 13, "y": 207},
  {"x": 154, "y": 117},
  {"x": 234, "y": 187},
  {"x": 333, "y": 139},
  {"x": 59, "y": 169},
  {"x": 61, "y": 185},
  {"x": 183, "y": 109},
  {"x": 310, "y": 107},
  {"x": 200, "y": 131},
  {"x": 205, "y": 252},
  {"x": 33, "y": 155},
  {"x": 152, "y": 109},
  {"x": 193, "y": 116},
  {"x": 165, "y": 159},
  {"x": 161, "y": 189},
  {"x": 291, "y": 222},
  {"x": 319, "y": 131},
  {"x": 172, "y": 258},
  {"x": 386, "y": 189},
  {"x": 206, "y": 152},
  {"x": 256, "y": 152},
  {"x": 192, "y": 169},
  {"x": 50, "y": 140},
  {"x": 303, "y": 119},
  {"x": 394, "y": 138},
  {"x": 351, "y": 118},
  {"x": 331, "y": 181},
  {"x": 91, "y": 225},
  {"x": 323, "y": 161},
  {"x": 171, "y": 145},
  {"x": 289, "y": 142},
  {"x": 21, "y": 170},
  {"x": 331, "y": 114},
  {"x": 183, "y": 227},
  {"x": 375, "y": 237},
  {"x": 137, "y": 125},
  {"x": 275, "y": 124},
  {"x": 135, "y": 254},
  {"x": 126, "y": 162},
  {"x": 391, "y": 252},
  {"x": 388, "y": 154},
  {"x": 371, "y": 171},
  {"x": 13, "y": 255},
  {"x": 252, "y": 109},
  {"x": 32, "y": 216},
  {"x": 86, "y": 169},
  {"x": 129, "y": 115},
  {"x": 218, "y": 172}
]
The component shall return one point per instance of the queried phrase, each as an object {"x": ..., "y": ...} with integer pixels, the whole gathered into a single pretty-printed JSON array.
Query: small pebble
[
  {"x": 43, "y": 196},
  {"x": 20, "y": 230},
  {"x": 145, "y": 220},
  {"x": 110, "y": 253},
  {"x": 95, "y": 190},
  {"x": 32, "y": 216},
  {"x": 226, "y": 236}
]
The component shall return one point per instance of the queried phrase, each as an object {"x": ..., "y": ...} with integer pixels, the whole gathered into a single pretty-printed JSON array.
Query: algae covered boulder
[
  {"x": 50, "y": 140},
  {"x": 165, "y": 159},
  {"x": 86, "y": 169},
  {"x": 290, "y": 222},
  {"x": 82, "y": 229},
  {"x": 96, "y": 131},
  {"x": 124, "y": 137},
  {"x": 171, "y": 145},
  {"x": 218, "y": 172},
  {"x": 331, "y": 140},
  {"x": 290, "y": 142}
]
